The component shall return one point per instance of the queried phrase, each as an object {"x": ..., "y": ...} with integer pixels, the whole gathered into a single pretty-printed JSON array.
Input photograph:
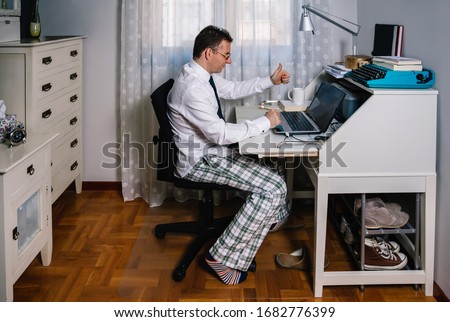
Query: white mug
[{"x": 297, "y": 95}]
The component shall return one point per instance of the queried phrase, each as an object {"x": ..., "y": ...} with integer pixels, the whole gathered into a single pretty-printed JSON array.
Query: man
[{"x": 202, "y": 138}]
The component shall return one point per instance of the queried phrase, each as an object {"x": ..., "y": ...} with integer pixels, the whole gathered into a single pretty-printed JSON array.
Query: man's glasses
[{"x": 226, "y": 56}]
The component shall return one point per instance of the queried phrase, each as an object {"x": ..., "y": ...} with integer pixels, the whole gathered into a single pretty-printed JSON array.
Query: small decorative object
[
  {"x": 16, "y": 135},
  {"x": 12, "y": 132},
  {"x": 35, "y": 24}
]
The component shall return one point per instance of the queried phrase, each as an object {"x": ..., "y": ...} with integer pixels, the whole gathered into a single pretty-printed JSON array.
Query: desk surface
[{"x": 269, "y": 144}]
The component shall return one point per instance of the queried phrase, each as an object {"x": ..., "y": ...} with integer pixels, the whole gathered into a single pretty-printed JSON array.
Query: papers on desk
[
  {"x": 289, "y": 106},
  {"x": 337, "y": 70}
]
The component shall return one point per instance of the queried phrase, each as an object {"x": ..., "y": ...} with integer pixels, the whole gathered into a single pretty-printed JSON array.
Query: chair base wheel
[
  {"x": 159, "y": 234},
  {"x": 179, "y": 274}
]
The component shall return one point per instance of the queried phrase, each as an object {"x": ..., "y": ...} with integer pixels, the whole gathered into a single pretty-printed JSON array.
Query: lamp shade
[{"x": 306, "y": 23}]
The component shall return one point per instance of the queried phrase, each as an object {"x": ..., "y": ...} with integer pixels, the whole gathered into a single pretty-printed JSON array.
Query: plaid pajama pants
[{"x": 267, "y": 203}]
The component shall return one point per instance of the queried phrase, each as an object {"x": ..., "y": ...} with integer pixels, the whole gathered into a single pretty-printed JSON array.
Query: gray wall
[
  {"x": 427, "y": 25},
  {"x": 99, "y": 20}
]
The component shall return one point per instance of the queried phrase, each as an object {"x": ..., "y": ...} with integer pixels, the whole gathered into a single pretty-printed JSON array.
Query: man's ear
[{"x": 207, "y": 53}]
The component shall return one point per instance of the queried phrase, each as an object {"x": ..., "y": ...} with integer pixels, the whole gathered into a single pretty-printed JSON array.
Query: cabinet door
[{"x": 30, "y": 226}]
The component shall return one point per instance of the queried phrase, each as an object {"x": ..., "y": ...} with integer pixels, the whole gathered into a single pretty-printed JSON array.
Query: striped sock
[{"x": 227, "y": 275}]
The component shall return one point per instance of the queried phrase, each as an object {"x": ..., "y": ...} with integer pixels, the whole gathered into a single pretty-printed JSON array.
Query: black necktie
[{"x": 219, "y": 111}]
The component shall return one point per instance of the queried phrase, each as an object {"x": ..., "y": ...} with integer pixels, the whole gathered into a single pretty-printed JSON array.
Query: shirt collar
[{"x": 201, "y": 72}]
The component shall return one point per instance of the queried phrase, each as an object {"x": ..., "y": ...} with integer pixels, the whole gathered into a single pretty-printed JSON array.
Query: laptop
[{"x": 318, "y": 115}]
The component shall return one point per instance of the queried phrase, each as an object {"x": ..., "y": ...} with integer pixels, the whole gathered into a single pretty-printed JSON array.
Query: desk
[{"x": 370, "y": 153}]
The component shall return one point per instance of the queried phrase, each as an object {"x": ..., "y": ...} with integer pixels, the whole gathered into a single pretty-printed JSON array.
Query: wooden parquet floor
[{"x": 105, "y": 250}]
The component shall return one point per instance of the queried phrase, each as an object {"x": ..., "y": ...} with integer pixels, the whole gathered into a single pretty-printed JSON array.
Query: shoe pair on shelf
[
  {"x": 382, "y": 215},
  {"x": 383, "y": 255}
]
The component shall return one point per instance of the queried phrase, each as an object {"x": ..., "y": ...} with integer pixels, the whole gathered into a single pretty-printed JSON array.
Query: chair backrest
[{"x": 166, "y": 146}]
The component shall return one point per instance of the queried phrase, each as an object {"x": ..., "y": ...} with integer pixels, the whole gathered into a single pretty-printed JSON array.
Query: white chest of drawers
[
  {"x": 41, "y": 82},
  {"x": 25, "y": 208}
]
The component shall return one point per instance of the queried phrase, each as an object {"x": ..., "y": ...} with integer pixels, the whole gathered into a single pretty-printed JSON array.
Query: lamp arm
[{"x": 329, "y": 17}]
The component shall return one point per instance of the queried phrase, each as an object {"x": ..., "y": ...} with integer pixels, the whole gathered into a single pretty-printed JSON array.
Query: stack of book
[
  {"x": 337, "y": 70},
  {"x": 388, "y": 40},
  {"x": 398, "y": 63}
]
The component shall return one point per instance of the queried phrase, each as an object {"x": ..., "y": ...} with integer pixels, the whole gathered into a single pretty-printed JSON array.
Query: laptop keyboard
[{"x": 298, "y": 121}]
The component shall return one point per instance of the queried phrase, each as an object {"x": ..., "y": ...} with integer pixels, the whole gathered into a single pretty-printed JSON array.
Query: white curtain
[{"x": 157, "y": 39}]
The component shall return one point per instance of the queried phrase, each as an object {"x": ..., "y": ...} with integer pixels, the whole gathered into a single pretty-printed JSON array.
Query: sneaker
[
  {"x": 390, "y": 245},
  {"x": 381, "y": 258},
  {"x": 393, "y": 206},
  {"x": 379, "y": 215}
]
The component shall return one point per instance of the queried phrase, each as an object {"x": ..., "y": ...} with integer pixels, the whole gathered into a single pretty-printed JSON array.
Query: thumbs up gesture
[{"x": 280, "y": 76}]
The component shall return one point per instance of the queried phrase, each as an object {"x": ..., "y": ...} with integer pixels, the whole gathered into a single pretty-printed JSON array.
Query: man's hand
[
  {"x": 280, "y": 76},
  {"x": 274, "y": 117}
]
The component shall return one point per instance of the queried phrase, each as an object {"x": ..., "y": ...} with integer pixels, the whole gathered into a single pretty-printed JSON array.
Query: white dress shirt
[{"x": 198, "y": 130}]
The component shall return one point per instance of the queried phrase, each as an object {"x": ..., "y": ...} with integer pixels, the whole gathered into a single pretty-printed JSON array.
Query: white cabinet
[
  {"x": 41, "y": 82},
  {"x": 25, "y": 205}
]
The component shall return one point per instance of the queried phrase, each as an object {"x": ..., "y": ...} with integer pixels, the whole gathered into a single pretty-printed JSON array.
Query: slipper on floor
[
  {"x": 298, "y": 259},
  {"x": 295, "y": 260}
]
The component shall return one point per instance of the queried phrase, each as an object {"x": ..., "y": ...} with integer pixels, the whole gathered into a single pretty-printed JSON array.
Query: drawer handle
[
  {"x": 30, "y": 170},
  {"x": 47, "y": 60},
  {"x": 74, "y": 143},
  {"x": 46, "y": 114},
  {"x": 73, "y": 76},
  {"x": 74, "y": 53},
  {"x": 73, "y": 121},
  {"x": 73, "y": 98},
  {"x": 74, "y": 166},
  {"x": 15, "y": 234},
  {"x": 47, "y": 87}
]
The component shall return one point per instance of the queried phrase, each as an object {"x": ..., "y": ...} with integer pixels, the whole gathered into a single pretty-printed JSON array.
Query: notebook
[{"x": 317, "y": 117}]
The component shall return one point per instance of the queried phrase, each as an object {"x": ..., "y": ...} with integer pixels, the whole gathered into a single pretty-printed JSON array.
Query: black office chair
[{"x": 207, "y": 227}]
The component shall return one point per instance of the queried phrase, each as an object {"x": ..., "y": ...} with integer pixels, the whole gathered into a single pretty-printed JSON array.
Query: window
[
  {"x": 263, "y": 21},
  {"x": 186, "y": 14},
  {"x": 266, "y": 21}
]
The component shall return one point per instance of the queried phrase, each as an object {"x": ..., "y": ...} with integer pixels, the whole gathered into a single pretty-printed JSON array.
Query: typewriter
[{"x": 371, "y": 75}]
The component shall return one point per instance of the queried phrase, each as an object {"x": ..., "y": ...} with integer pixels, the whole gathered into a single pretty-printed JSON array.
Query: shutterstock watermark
[{"x": 128, "y": 153}]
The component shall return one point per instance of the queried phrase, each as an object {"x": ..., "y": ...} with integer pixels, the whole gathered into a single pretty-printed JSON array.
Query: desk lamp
[{"x": 307, "y": 25}]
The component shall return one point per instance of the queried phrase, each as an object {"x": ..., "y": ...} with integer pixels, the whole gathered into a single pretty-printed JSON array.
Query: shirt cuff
[
  {"x": 262, "y": 123},
  {"x": 267, "y": 82}
]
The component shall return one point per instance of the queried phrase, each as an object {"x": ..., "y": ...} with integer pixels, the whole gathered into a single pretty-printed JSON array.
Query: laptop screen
[{"x": 324, "y": 105}]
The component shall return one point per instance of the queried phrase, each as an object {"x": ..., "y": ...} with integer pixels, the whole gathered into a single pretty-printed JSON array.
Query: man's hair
[{"x": 210, "y": 37}]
